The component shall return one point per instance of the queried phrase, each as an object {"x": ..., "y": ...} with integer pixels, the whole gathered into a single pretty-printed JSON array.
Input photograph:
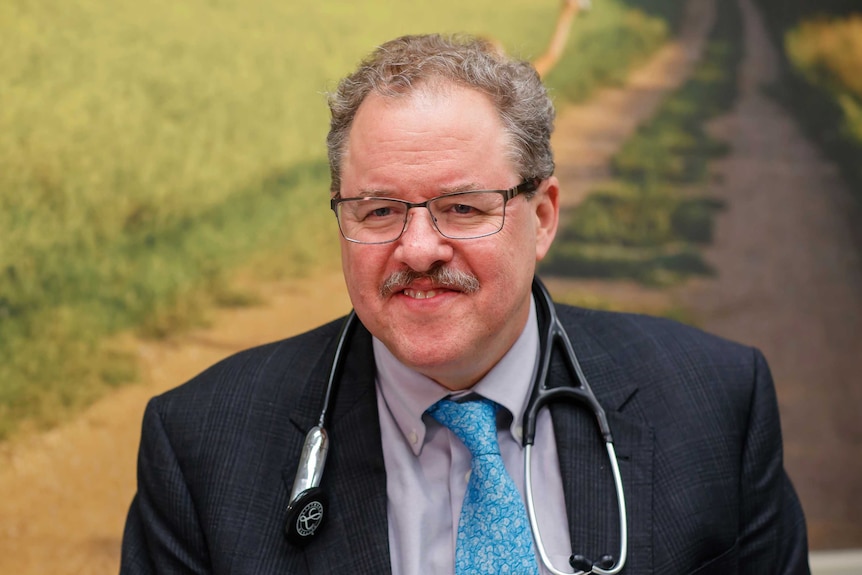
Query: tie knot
[{"x": 474, "y": 422}]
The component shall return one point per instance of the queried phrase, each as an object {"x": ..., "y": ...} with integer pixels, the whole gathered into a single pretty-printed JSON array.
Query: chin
[{"x": 425, "y": 357}]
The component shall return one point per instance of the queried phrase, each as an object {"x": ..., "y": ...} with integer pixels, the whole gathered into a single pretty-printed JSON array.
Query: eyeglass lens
[{"x": 458, "y": 216}]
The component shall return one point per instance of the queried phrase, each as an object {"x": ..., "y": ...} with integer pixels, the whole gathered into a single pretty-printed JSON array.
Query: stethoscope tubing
[
  {"x": 581, "y": 393},
  {"x": 534, "y": 521}
]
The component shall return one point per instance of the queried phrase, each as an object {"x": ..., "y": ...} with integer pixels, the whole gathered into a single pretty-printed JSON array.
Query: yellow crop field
[{"x": 828, "y": 52}]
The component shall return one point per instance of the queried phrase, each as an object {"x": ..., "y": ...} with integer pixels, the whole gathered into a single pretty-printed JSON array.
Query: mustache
[{"x": 439, "y": 275}]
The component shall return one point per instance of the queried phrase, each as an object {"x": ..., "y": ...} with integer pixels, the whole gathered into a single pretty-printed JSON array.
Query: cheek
[
  {"x": 364, "y": 270},
  {"x": 501, "y": 270},
  {"x": 520, "y": 249}
]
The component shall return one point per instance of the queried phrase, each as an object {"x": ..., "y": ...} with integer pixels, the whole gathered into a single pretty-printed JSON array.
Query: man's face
[{"x": 415, "y": 148}]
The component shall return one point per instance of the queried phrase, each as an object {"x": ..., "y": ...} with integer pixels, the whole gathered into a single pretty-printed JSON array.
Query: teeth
[{"x": 415, "y": 294}]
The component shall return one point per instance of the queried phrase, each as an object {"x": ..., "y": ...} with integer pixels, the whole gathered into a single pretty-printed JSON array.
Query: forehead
[{"x": 439, "y": 135}]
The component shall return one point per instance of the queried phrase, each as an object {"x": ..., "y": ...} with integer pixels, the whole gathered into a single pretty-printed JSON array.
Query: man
[{"x": 442, "y": 182}]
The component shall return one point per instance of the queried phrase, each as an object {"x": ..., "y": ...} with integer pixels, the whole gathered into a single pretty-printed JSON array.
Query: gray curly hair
[{"x": 397, "y": 67}]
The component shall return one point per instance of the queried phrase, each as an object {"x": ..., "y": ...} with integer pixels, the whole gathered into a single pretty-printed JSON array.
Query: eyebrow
[{"x": 373, "y": 193}]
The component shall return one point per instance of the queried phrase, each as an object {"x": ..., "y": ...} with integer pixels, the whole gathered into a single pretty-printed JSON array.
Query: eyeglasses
[{"x": 457, "y": 216}]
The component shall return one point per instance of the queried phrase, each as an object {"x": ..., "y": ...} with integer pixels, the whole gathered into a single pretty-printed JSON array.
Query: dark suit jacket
[{"x": 694, "y": 419}]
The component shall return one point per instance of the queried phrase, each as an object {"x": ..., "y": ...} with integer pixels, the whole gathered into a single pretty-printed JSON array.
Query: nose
[{"x": 421, "y": 246}]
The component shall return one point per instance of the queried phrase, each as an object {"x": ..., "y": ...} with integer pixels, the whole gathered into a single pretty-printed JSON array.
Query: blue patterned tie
[{"x": 493, "y": 532}]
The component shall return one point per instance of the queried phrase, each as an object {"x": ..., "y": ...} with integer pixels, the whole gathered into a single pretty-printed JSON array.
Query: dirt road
[
  {"x": 65, "y": 493},
  {"x": 790, "y": 283}
]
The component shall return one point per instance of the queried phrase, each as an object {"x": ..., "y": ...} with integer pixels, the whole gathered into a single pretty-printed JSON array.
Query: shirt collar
[{"x": 407, "y": 393}]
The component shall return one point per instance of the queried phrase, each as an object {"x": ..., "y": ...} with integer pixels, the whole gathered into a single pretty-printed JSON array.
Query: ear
[{"x": 547, "y": 215}]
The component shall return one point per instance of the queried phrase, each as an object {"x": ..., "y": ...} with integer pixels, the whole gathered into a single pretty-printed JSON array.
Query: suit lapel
[
  {"x": 355, "y": 538},
  {"x": 587, "y": 479}
]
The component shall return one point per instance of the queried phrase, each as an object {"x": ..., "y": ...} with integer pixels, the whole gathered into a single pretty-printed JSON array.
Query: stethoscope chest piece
[
  {"x": 306, "y": 516},
  {"x": 309, "y": 505}
]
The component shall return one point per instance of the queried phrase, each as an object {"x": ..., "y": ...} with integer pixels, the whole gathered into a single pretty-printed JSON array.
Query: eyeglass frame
[{"x": 527, "y": 186}]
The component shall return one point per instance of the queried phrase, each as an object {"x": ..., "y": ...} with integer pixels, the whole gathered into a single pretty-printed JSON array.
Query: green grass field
[
  {"x": 650, "y": 223},
  {"x": 149, "y": 150}
]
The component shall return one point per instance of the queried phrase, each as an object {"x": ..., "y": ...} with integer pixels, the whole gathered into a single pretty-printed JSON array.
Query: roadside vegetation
[
  {"x": 650, "y": 223},
  {"x": 606, "y": 41},
  {"x": 150, "y": 151},
  {"x": 821, "y": 47}
]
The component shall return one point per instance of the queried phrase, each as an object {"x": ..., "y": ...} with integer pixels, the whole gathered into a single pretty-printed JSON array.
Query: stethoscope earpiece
[
  {"x": 305, "y": 516},
  {"x": 581, "y": 563}
]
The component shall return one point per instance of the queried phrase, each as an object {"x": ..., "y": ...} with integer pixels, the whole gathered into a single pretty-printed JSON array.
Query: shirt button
[{"x": 414, "y": 437}]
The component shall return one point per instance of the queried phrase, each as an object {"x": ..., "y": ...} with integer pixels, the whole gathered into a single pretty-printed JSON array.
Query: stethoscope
[{"x": 306, "y": 512}]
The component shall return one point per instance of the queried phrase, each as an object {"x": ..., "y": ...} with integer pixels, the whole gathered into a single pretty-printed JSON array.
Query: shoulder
[
  {"x": 698, "y": 414},
  {"x": 276, "y": 371},
  {"x": 642, "y": 338},
  {"x": 675, "y": 368}
]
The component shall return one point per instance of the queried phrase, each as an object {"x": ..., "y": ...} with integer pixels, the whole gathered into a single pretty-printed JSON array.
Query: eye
[
  {"x": 375, "y": 210},
  {"x": 380, "y": 212},
  {"x": 463, "y": 209}
]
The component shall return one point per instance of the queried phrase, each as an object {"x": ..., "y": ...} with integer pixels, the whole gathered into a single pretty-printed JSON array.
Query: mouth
[{"x": 428, "y": 285}]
